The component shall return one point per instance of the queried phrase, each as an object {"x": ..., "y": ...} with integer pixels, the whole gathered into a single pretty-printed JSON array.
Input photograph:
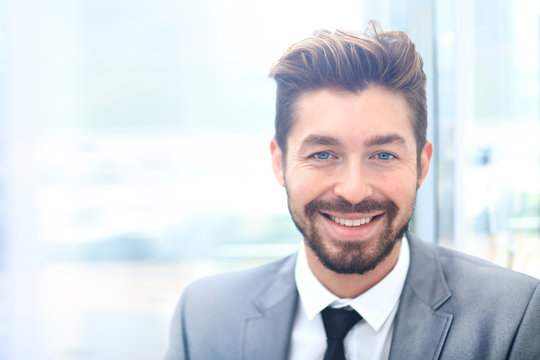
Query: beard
[{"x": 352, "y": 257}]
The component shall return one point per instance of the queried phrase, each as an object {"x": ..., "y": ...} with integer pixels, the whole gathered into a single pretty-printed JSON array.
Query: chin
[
  {"x": 353, "y": 258},
  {"x": 348, "y": 257}
]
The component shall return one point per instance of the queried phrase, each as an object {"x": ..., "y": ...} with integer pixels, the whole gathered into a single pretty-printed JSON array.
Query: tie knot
[{"x": 338, "y": 322}]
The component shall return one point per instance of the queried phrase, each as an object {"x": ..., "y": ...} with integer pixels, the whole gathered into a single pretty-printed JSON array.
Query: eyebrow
[
  {"x": 313, "y": 140},
  {"x": 385, "y": 139}
]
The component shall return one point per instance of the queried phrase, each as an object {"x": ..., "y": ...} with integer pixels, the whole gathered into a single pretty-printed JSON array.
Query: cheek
[
  {"x": 300, "y": 189},
  {"x": 305, "y": 186},
  {"x": 398, "y": 187}
]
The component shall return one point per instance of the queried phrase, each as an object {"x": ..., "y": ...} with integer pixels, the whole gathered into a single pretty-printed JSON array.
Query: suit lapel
[
  {"x": 267, "y": 333},
  {"x": 420, "y": 328}
]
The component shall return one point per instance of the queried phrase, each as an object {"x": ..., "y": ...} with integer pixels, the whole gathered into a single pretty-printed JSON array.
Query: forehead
[{"x": 372, "y": 112}]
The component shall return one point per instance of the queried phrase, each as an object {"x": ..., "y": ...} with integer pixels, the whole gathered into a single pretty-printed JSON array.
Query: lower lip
[{"x": 357, "y": 233}]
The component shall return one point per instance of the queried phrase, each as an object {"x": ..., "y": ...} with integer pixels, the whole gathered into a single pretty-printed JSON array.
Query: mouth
[{"x": 353, "y": 222}]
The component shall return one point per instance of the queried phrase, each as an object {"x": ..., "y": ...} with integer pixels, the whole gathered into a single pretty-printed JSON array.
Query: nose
[{"x": 353, "y": 183}]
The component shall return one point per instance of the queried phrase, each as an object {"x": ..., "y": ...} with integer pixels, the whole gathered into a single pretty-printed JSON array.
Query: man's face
[{"x": 351, "y": 175}]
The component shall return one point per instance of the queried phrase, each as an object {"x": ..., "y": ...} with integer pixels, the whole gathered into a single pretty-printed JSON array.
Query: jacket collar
[
  {"x": 267, "y": 333},
  {"x": 420, "y": 328}
]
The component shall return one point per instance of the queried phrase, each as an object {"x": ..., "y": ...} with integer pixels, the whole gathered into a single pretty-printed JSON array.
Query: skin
[{"x": 355, "y": 148}]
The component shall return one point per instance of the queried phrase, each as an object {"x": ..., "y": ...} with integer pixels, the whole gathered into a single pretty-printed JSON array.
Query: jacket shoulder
[
  {"x": 466, "y": 269},
  {"x": 466, "y": 272},
  {"x": 493, "y": 312},
  {"x": 241, "y": 284},
  {"x": 217, "y": 307}
]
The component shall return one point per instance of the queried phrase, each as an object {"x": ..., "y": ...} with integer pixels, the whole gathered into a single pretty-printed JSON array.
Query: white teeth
[{"x": 351, "y": 222}]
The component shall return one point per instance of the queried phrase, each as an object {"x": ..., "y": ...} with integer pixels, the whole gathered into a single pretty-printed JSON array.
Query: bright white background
[{"x": 134, "y": 152}]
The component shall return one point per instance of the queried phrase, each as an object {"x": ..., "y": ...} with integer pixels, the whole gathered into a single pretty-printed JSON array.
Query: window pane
[{"x": 489, "y": 152}]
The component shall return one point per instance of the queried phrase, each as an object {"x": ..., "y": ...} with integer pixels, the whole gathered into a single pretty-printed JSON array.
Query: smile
[{"x": 350, "y": 222}]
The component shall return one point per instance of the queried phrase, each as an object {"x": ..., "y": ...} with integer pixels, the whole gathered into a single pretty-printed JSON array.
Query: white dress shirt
[{"x": 368, "y": 339}]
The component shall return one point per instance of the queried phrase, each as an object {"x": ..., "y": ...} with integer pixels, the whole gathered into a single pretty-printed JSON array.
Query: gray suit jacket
[{"x": 453, "y": 306}]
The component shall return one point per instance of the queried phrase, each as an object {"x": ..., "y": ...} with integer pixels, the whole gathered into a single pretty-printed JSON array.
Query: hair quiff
[{"x": 351, "y": 62}]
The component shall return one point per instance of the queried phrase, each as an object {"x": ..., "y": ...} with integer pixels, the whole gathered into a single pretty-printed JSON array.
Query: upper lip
[{"x": 351, "y": 216}]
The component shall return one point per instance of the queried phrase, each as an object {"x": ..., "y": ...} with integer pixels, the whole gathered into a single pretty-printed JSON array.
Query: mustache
[{"x": 341, "y": 205}]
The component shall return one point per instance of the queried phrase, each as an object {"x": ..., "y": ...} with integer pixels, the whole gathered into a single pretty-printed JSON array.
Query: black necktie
[{"x": 337, "y": 323}]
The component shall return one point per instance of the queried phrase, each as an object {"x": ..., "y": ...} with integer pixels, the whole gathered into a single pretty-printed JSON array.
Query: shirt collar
[{"x": 375, "y": 305}]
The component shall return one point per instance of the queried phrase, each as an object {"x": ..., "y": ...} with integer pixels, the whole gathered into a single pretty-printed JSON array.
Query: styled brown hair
[{"x": 351, "y": 62}]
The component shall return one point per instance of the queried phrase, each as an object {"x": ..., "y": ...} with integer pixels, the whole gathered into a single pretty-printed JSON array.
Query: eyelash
[
  {"x": 330, "y": 156},
  {"x": 391, "y": 156}
]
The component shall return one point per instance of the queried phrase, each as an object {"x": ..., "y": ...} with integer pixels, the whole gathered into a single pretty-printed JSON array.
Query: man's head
[
  {"x": 351, "y": 62},
  {"x": 350, "y": 145}
]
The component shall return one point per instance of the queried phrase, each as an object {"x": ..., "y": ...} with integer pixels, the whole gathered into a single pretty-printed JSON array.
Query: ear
[
  {"x": 277, "y": 162},
  {"x": 425, "y": 159}
]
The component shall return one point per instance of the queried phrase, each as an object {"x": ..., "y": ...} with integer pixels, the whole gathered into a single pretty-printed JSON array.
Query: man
[{"x": 350, "y": 149}]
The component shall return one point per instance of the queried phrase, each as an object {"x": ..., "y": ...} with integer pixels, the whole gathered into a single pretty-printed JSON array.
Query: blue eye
[
  {"x": 323, "y": 155},
  {"x": 384, "y": 156}
]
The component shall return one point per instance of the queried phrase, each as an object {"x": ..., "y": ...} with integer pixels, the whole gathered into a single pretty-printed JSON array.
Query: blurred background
[{"x": 134, "y": 152}]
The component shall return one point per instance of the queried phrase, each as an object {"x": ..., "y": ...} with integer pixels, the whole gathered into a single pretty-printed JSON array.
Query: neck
[{"x": 350, "y": 286}]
